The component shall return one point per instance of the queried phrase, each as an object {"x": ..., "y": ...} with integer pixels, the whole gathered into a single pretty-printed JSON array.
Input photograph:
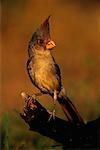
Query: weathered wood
[{"x": 69, "y": 134}]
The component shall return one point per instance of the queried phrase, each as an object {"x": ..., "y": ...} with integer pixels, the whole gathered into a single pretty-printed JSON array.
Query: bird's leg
[
  {"x": 52, "y": 115},
  {"x": 54, "y": 108}
]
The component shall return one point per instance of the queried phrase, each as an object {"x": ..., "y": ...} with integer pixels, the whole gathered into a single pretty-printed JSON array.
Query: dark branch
[{"x": 68, "y": 134}]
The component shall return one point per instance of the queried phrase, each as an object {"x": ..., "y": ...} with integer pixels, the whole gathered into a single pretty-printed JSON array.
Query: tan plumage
[
  {"x": 43, "y": 72},
  {"x": 42, "y": 68}
]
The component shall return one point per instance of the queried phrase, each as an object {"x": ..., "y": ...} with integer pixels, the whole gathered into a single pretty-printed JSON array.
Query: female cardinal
[{"x": 42, "y": 68}]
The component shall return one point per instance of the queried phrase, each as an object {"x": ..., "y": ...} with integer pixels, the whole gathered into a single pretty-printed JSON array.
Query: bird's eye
[{"x": 40, "y": 41}]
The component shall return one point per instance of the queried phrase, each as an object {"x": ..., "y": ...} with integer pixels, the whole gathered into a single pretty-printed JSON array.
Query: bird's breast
[{"x": 45, "y": 78}]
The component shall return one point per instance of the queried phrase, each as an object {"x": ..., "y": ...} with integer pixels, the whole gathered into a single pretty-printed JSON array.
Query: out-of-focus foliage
[
  {"x": 75, "y": 27},
  {"x": 15, "y": 135}
]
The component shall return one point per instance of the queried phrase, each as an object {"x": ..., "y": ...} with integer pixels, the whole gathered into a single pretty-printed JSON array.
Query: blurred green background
[{"x": 75, "y": 27}]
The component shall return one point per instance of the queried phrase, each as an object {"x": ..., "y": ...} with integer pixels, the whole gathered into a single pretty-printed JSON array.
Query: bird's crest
[{"x": 43, "y": 32}]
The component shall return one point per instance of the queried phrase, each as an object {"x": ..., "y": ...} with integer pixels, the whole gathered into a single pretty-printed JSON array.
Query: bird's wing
[
  {"x": 58, "y": 70},
  {"x": 58, "y": 74},
  {"x": 30, "y": 71}
]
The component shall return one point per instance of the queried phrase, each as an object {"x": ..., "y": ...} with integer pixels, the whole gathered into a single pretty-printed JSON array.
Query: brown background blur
[{"x": 75, "y": 27}]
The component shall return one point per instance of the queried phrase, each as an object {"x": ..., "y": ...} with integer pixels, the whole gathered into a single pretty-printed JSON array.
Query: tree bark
[{"x": 71, "y": 134}]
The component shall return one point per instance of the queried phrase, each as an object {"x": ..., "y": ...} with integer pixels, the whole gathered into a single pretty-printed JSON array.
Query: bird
[
  {"x": 45, "y": 73},
  {"x": 42, "y": 68}
]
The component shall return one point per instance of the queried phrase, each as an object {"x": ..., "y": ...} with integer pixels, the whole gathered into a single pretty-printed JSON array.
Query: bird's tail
[{"x": 69, "y": 108}]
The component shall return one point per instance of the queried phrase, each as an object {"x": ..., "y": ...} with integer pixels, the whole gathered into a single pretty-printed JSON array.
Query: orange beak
[{"x": 50, "y": 45}]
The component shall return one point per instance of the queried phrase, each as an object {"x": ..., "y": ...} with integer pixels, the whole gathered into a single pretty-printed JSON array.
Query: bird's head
[{"x": 41, "y": 39}]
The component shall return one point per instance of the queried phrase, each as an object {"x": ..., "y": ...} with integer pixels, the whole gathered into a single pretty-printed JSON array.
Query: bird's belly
[{"x": 46, "y": 81}]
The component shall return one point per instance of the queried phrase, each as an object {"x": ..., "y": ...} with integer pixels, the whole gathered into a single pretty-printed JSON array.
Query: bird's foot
[{"x": 52, "y": 115}]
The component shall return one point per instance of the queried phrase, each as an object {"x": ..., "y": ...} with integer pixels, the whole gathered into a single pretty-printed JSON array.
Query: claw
[{"x": 52, "y": 115}]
